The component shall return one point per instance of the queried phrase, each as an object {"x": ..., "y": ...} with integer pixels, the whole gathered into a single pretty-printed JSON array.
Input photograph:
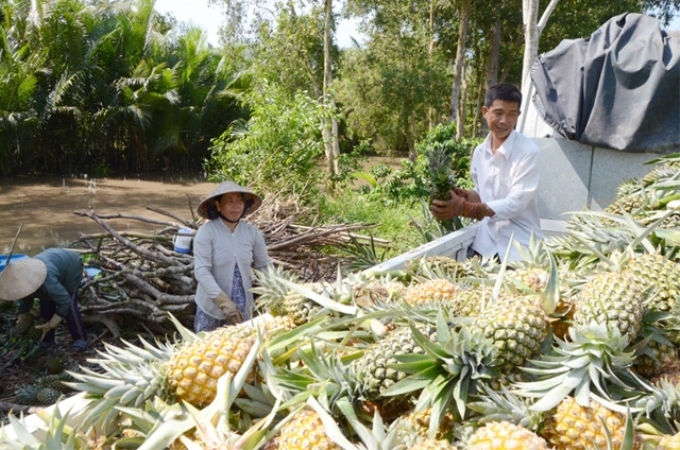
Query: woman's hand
[{"x": 231, "y": 312}]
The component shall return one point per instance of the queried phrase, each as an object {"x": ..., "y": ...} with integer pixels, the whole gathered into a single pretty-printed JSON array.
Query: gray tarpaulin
[{"x": 618, "y": 89}]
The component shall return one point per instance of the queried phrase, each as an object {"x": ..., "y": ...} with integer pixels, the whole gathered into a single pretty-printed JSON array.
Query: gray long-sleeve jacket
[
  {"x": 64, "y": 274},
  {"x": 216, "y": 252}
]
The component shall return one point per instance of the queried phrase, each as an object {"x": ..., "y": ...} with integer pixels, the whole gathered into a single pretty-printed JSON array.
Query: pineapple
[
  {"x": 53, "y": 382},
  {"x": 470, "y": 301},
  {"x": 612, "y": 298},
  {"x": 515, "y": 326},
  {"x": 438, "y": 292},
  {"x": 662, "y": 356},
  {"x": 194, "y": 369},
  {"x": 574, "y": 427},
  {"x": 24, "y": 325},
  {"x": 669, "y": 442},
  {"x": 371, "y": 375},
  {"x": 54, "y": 366},
  {"x": 47, "y": 396},
  {"x": 413, "y": 426},
  {"x": 304, "y": 431},
  {"x": 505, "y": 436},
  {"x": 442, "y": 181},
  {"x": 660, "y": 275},
  {"x": 432, "y": 444},
  {"x": 187, "y": 371}
]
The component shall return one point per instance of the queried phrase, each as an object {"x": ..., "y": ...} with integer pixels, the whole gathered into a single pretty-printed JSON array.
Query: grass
[{"x": 393, "y": 220}]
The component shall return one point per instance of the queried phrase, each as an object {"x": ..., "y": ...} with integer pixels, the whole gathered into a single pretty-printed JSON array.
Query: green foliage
[
  {"x": 278, "y": 149},
  {"x": 443, "y": 136},
  {"x": 392, "y": 218}
]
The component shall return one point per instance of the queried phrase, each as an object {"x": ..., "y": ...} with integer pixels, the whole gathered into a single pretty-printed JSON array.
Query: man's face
[{"x": 501, "y": 117}]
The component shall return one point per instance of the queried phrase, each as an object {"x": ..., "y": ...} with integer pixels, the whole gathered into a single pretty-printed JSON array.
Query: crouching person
[{"x": 53, "y": 277}]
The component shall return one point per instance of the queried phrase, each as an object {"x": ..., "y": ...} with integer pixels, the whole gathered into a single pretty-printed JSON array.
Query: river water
[{"x": 47, "y": 205}]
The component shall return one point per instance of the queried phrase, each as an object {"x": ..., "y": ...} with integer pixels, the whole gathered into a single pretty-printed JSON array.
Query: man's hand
[
  {"x": 459, "y": 206},
  {"x": 49, "y": 326},
  {"x": 229, "y": 308},
  {"x": 447, "y": 209}
]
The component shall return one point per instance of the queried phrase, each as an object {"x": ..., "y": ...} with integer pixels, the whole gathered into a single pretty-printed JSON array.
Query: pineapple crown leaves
[
  {"x": 594, "y": 355},
  {"x": 330, "y": 425},
  {"x": 379, "y": 437},
  {"x": 57, "y": 433},
  {"x": 323, "y": 301},
  {"x": 449, "y": 369},
  {"x": 503, "y": 405},
  {"x": 319, "y": 374}
]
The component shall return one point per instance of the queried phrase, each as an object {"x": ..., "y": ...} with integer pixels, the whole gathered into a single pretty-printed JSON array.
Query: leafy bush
[
  {"x": 444, "y": 136},
  {"x": 278, "y": 149}
]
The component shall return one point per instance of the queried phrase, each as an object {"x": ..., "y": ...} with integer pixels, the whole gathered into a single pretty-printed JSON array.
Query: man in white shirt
[{"x": 505, "y": 173}]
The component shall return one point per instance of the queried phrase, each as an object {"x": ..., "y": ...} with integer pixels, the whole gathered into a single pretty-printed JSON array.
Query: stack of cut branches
[{"x": 142, "y": 276}]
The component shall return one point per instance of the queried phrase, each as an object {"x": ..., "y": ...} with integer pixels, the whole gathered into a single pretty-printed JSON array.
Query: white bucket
[{"x": 182, "y": 240}]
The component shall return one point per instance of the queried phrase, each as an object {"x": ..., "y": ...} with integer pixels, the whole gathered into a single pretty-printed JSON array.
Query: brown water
[{"x": 47, "y": 205}]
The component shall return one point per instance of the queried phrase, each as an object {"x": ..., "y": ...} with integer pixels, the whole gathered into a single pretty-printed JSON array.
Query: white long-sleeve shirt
[
  {"x": 216, "y": 251},
  {"x": 508, "y": 183}
]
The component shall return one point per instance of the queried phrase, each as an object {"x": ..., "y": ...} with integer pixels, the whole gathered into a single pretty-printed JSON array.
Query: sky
[{"x": 209, "y": 18}]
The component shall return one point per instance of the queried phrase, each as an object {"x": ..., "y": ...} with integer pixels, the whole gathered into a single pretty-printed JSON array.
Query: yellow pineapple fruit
[
  {"x": 303, "y": 432},
  {"x": 505, "y": 436},
  {"x": 575, "y": 427},
  {"x": 433, "y": 444},
  {"x": 413, "y": 426},
  {"x": 440, "y": 291},
  {"x": 669, "y": 442}
]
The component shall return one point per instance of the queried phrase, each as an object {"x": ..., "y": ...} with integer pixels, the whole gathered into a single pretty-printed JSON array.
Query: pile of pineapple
[{"x": 576, "y": 347}]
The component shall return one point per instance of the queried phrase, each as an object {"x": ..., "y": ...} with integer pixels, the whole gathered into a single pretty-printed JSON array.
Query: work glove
[
  {"x": 49, "y": 326},
  {"x": 475, "y": 210},
  {"x": 457, "y": 206},
  {"x": 229, "y": 308}
]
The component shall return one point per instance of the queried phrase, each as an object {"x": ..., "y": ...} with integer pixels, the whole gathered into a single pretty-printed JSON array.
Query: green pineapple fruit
[
  {"x": 516, "y": 326},
  {"x": 614, "y": 299},
  {"x": 24, "y": 325},
  {"x": 660, "y": 275},
  {"x": 47, "y": 396},
  {"x": 54, "y": 382},
  {"x": 442, "y": 181},
  {"x": 54, "y": 365}
]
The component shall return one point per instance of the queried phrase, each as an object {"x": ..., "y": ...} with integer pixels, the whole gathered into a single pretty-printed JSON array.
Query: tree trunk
[
  {"x": 494, "y": 54},
  {"x": 460, "y": 122},
  {"x": 463, "y": 15},
  {"x": 330, "y": 132},
  {"x": 532, "y": 33}
]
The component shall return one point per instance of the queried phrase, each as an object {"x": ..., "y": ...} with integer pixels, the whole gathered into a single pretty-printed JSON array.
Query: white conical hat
[
  {"x": 21, "y": 278},
  {"x": 227, "y": 187}
]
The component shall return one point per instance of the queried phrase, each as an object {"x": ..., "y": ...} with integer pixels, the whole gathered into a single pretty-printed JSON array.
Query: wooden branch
[
  {"x": 161, "y": 298},
  {"x": 174, "y": 216},
  {"x": 128, "y": 216},
  {"x": 108, "y": 323},
  {"x": 127, "y": 243}
]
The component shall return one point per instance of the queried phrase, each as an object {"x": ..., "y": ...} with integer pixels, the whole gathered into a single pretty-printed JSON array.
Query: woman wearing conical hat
[
  {"x": 53, "y": 277},
  {"x": 225, "y": 250}
]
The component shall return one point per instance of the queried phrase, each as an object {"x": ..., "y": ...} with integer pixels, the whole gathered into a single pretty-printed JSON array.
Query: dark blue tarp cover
[{"x": 618, "y": 89}]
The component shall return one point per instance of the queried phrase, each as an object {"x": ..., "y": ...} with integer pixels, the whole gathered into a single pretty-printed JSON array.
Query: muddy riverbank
[{"x": 46, "y": 206}]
